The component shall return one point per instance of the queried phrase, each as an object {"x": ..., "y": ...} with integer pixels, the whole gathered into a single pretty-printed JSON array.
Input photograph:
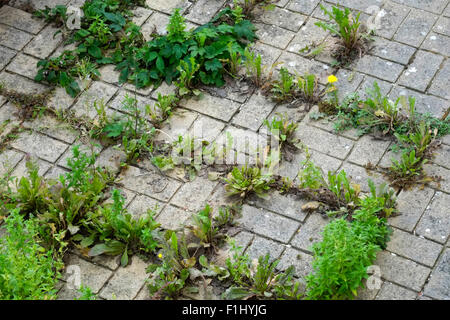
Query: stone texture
[
  {"x": 361, "y": 176},
  {"x": 8, "y": 160},
  {"x": 309, "y": 36},
  {"x": 261, "y": 246},
  {"x": 436, "y": 6},
  {"x": 415, "y": 248},
  {"x": 310, "y": 232},
  {"x": 305, "y": 7},
  {"x": 434, "y": 223},
  {"x": 380, "y": 68},
  {"x": 44, "y": 43},
  {"x": 53, "y": 128},
  {"x": 39, "y": 145},
  {"x": 441, "y": 82},
  {"x": 173, "y": 218},
  {"x": 300, "y": 260},
  {"x": 141, "y": 204},
  {"x": 421, "y": 70},
  {"x": 439, "y": 285},
  {"x": 437, "y": 43},
  {"x": 203, "y": 10},
  {"x": 268, "y": 224},
  {"x": 12, "y": 38},
  {"x": 192, "y": 196},
  {"x": 167, "y": 6},
  {"x": 273, "y": 35},
  {"x": 391, "y": 50},
  {"x": 212, "y": 106},
  {"x": 97, "y": 92},
  {"x": 126, "y": 282},
  {"x": 21, "y": 84},
  {"x": 5, "y": 56},
  {"x": 252, "y": 113},
  {"x": 20, "y": 19},
  {"x": 367, "y": 149},
  {"x": 415, "y": 27},
  {"x": 282, "y": 18},
  {"x": 391, "y": 291},
  {"x": 392, "y": 16}
]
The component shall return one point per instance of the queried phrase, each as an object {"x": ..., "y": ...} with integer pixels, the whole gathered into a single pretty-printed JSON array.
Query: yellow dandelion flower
[
  {"x": 332, "y": 78},
  {"x": 160, "y": 256}
]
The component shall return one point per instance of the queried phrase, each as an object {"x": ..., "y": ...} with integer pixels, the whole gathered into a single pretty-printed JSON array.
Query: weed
[
  {"x": 253, "y": 66},
  {"x": 283, "y": 130},
  {"x": 282, "y": 89},
  {"x": 247, "y": 180}
]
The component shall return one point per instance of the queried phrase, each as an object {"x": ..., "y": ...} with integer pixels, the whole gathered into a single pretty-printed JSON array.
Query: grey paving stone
[
  {"x": 434, "y": 223},
  {"x": 244, "y": 141},
  {"x": 120, "y": 101},
  {"x": 367, "y": 149},
  {"x": 402, "y": 271},
  {"x": 361, "y": 176},
  {"x": 361, "y": 5},
  {"x": 437, "y": 43},
  {"x": 44, "y": 43},
  {"x": 193, "y": 195},
  {"x": 22, "y": 171},
  {"x": 378, "y": 67},
  {"x": 85, "y": 146},
  {"x": 324, "y": 142},
  {"x": 204, "y": 10},
  {"x": 268, "y": 224},
  {"x": 180, "y": 122},
  {"x": 54, "y": 172},
  {"x": 442, "y": 156},
  {"x": 305, "y": 7},
  {"x": 441, "y": 82},
  {"x": 13, "y": 38},
  {"x": 348, "y": 82},
  {"x": 438, "y": 171},
  {"x": 447, "y": 11},
  {"x": 20, "y": 19},
  {"x": 163, "y": 89},
  {"x": 286, "y": 205},
  {"x": 300, "y": 260},
  {"x": 368, "y": 83},
  {"x": 281, "y": 17},
  {"x": 310, "y": 232},
  {"x": 392, "y": 15},
  {"x": 269, "y": 54},
  {"x": 415, "y": 248},
  {"x": 368, "y": 294},
  {"x": 109, "y": 75},
  {"x": 442, "y": 26},
  {"x": 391, "y": 291},
  {"x": 141, "y": 204},
  {"x": 140, "y": 15},
  {"x": 391, "y": 50},
  {"x": 53, "y": 128},
  {"x": 40, "y": 145},
  {"x": 411, "y": 204},
  {"x": 126, "y": 282},
  {"x": 172, "y": 218},
  {"x": 421, "y": 70},
  {"x": 212, "y": 106},
  {"x": 295, "y": 63},
  {"x": 21, "y": 84},
  {"x": 219, "y": 198},
  {"x": 415, "y": 27},
  {"x": 149, "y": 183},
  {"x": 205, "y": 128},
  {"x": 424, "y": 103},
  {"x": 91, "y": 275},
  {"x": 5, "y": 56},
  {"x": 252, "y": 113},
  {"x": 167, "y": 6},
  {"x": 261, "y": 246},
  {"x": 273, "y": 35},
  {"x": 436, "y": 6},
  {"x": 60, "y": 100},
  {"x": 439, "y": 285},
  {"x": 243, "y": 239},
  {"x": 8, "y": 160},
  {"x": 8, "y": 112},
  {"x": 309, "y": 36},
  {"x": 111, "y": 158},
  {"x": 155, "y": 24},
  {"x": 97, "y": 92}
]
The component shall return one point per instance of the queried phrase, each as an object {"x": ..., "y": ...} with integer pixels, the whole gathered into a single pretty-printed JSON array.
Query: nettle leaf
[
  {"x": 95, "y": 51},
  {"x": 213, "y": 65},
  {"x": 245, "y": 29},
  {"x": 160, "y": 64},
  {"x": 113, "y": 130},
  {"x": 149, "y": 56}
]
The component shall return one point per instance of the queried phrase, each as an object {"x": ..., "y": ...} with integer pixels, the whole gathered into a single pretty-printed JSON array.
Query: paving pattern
[{"x": 410, "y": 57}]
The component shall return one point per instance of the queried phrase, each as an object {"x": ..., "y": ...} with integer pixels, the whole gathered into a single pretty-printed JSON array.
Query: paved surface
[{"x": 410, "y": 57}]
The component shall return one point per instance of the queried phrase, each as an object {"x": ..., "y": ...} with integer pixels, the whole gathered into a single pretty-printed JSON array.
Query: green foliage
[
  {"x": 247, "y": 180},
  {"x": 187, "y": 74},
  {"x": 282, "y": 89},
  {"x": 86, "y": 293},
  {"x": 253, "y": 66},
  {"x": 57, "y": 14},
  {"x": 308, "y": 87},
  {"x": 27, "y": 270},
  {"x": 282, "y": 129}
]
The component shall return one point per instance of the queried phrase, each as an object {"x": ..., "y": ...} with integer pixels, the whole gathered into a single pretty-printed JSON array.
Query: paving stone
[
  {"x": 219, "y": 197},
  {"x": 193, "y": 195},
  {"x": 20, "y": 19},
  {"x": 295, "y": 63},
  {"x": 309, "y": 36},
  {"x": 60, "y": 100},
  {"x": 261, "y": 246},
  {"x": 21, "y": 169},
  {"x": 442, "y": 26},
  {"x": 91, "y": 275},
  {"x": 323, "y": 141},
  {"x": 54, "y": 172},
  {"x": 441, "y": 82},
  {"x": 327, "y": 163},
  {"x": 179, "y": 124},
  {"x": 415, "y": 27},
  {"x": 167, "y": 6},
  {"x": 273, "y": 35},
  {"x": 361, "y": 176},
  {"x": 172, "y": 218},
  {"x": 44, "y": 43},
  {"x": 8, "y": 112},
  {"x": 39, "y": 145},
  {"x": 243, "y": 239},
  {"x": 302, "y": 6},
  {"x": 281, "y": 17},
  {"x": 411, "y": 204},
  {"x": 13, "y": 38},
  {"x": 361, "y": 5},
  {"x": 142, "y": 91},
  {"x": 415, "y": 248},
  {"x": 434, "y": 223},
  {"x": 269, "y": 54},
  {"x": 128, "y": 196},
  {"x": 212, "y": 106},
  {"x": 439, "y": 285},
  {"x": 391, "y": 50},
  {"x": 204, "y": 10},
  {"x": 380, "y": 68},
  {"x": 437, "y": 43},
  {"x": 85, "y": 146},
  {"x": 435, "y": 170},
  {"x": 421, "y": 70},
  {"x": 206, "y": 128},
  {"x": 144, "y": 294},
  {"x": 140, "y": 15},
  {"x": 155, "y": 24},
  {"x": 109, "y": 74},
  {"x": 126, "y": 282},
  {"x": 348, "y": 82},
  {"x": 366, "y": 293},
  {"x": 5, "y": 56},
  {"x": 97, "y": 92},
  {"x": 391, "y": 291},
  {"x": 310, "y": 232},
  {"x": 8, "y": 160},
  {"x": 252, "y": 113},
  {"x": 141, "y": 204},
  {"x": 436, "y": 6},
  {"x": 21, "y": 84},
  {"x": 442, "y": 156},
  {"x": 402, "y": 271},
  {"x": 447, "y": 11},
  {"x": 391, "y": 17},
  {"x": 268, "y": 224},
  {"x": 424, "y": 103},
  {"x": 149, "y": 183},
  {"x": 111, "y": 158},
  {"x": 300, "y": 260},
  {"x": 52, "y": 127},
  {"x": 367, "y": 149},
  {"x": 244, "y": 141},
  {"x": 164, "y": 89},
  {"x": 120, "y": 101},
  {"x": 368, "y": 83},
  {"x": 286, "y": 205}
]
